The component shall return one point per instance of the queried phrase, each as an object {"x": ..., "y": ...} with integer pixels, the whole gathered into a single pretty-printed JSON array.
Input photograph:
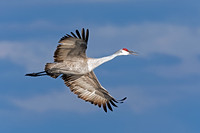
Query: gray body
[{"x": 77, "y": 67}]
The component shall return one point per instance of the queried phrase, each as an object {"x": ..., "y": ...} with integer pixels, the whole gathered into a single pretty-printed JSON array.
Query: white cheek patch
[{"x": 125, "y": 52}]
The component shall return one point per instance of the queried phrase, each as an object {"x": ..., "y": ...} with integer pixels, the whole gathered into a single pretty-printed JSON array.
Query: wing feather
[
  {"x": 104, "y": 107},
  {"x": 108, "y": 104},
  {"x": 88, "y": 88},
  {"x": 74, "y": 35},
  {"x": 83, "y": 34},
  {"x": 71, "y": 47},
  {"x": 78, "y": 34},
  {"x": 87, "y": 35},
  {"x": 113, "y": 103}
]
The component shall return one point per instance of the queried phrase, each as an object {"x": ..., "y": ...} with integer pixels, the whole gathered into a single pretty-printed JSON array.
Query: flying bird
[{"x": 76, "y": 69}]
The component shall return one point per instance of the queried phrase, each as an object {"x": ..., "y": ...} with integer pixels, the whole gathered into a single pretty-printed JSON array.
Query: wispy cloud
[
  {"x": 141, "y": 101},
  {"x": 27, "y": 54},
  {"x": 149, "y": 38},
  {"x": 138, "y": 101},
  {"x": 54, "y": 101},
  {"x": 67, "y": 101}
]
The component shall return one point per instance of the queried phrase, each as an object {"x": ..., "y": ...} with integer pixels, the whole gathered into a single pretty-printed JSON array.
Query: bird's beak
[{"x": 133, "y": 53}]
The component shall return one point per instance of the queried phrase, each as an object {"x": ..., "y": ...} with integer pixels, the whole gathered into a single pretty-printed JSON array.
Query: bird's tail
[
  {"x": 48, "y": 68},
  {"x": 36, "y": 74}
]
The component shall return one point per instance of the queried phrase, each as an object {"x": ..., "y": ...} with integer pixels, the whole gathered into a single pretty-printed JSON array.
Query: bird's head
[{"x": 125, "y": 51}]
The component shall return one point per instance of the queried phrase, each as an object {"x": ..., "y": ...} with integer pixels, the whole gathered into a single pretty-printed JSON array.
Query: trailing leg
[{"x": 37, "y": 74}]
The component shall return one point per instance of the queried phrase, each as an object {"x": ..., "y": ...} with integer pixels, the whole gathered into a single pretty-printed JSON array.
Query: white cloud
[
  {"x": 28, "y": 54},
  {"x": 139, "y": 101},
  {"x": 149, "y": 38},
  {"x": 162, "y": 38},
  {"x": 142, "y": 100},
  {"x": 54, "y": 101}
]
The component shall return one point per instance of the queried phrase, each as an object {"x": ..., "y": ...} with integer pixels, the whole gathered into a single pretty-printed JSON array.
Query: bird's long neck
[{"x": 95, "y": 62}]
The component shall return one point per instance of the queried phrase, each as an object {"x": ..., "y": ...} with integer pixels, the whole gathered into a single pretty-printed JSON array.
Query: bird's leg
[{"x": 36, "y": 74}]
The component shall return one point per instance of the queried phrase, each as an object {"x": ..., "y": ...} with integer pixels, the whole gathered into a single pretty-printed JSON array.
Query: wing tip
[
  {"x": 104, "y": 107},
  {"x": 113, "y": 101},
  {"x": 122, "y": 100},
  {"x": 84, "y": 36}
]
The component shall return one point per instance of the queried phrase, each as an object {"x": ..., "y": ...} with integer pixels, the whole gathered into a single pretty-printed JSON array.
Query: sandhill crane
[{"x": 76, "y": 69}]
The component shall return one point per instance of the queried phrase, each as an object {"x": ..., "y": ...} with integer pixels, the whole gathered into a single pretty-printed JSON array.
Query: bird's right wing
[
  {"x": 88, "y": 88},
  {"x": 72, "y": 46}
]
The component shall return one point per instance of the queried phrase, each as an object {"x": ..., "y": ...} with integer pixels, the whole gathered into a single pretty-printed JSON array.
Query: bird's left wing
[{"x": 88, "y": 88}]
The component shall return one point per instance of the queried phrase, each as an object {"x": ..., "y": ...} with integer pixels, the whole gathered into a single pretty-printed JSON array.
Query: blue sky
[{"x": 162, "y": 83}]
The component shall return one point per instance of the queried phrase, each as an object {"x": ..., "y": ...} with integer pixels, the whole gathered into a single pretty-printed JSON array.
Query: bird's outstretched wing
[
  {"x": 88, "y": 88},
  {"x": 72, "y": 46}
]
